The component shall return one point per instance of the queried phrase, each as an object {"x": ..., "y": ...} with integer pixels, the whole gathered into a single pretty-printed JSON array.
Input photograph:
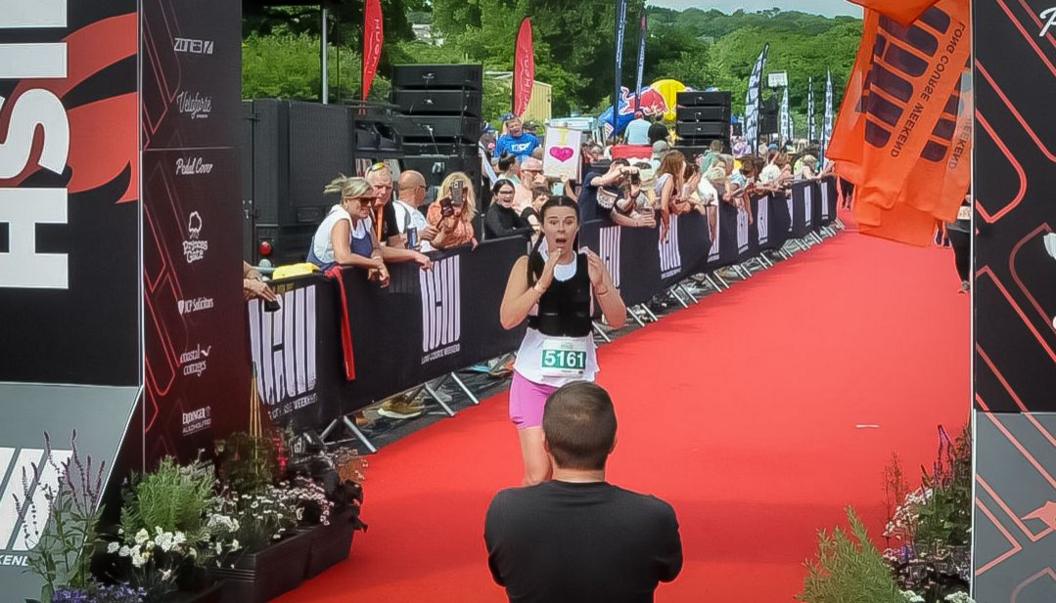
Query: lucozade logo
[{"x": 22, "y": 209}]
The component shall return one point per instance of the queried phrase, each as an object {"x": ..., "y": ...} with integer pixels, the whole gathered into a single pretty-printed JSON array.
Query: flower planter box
[
  {"x": 330, "y": 544},
  {"x": 262, "y": 576},
  {"x": 210, "y": 594}
]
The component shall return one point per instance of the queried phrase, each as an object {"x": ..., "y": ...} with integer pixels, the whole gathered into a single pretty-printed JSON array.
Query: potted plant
[
  {"x": 328, "y": 484},
  {"x": 65, "y": 535},
  {"x": 166, "y": 537},
  {"x": 272, "y": 555}
]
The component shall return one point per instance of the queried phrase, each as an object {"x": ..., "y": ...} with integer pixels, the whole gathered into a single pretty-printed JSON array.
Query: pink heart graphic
[{"x": 561, "y": 153}]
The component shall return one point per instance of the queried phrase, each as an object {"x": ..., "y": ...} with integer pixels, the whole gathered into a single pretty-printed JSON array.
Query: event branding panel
[
  {"x": 1015, "y": 303},
  {"x": 69, "y": 285}
]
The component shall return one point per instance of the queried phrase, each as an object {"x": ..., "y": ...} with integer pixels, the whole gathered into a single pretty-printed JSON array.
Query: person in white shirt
[{"x": 411, "y": 195}]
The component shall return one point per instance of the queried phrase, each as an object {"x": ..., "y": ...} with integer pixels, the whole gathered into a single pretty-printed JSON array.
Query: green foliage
[
  {"x": 848, "y": 571},
  {"x": 173, "y": 497},
  {"x": 574, "y": 45},
  {"x": 946, "y": 518},
  {"x": 248, "y": 464}
]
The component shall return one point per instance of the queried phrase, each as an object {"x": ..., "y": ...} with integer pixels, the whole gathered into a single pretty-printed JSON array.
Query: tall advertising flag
[
  {"x": 643, "y": 27},
  {"x": 826, "y": 128},
  {"x": 373, "y": 37},
  {"x": 786, "y": 118},
  {"x": 621, "y": 28},
  {"x": 751, "y": 99},
  {"x": 523, "y": 68},
  {"x": 811, "y": 129}
]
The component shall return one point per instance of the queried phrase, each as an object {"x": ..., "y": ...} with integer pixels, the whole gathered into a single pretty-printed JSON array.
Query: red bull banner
[{"x": 523, "y": 68}]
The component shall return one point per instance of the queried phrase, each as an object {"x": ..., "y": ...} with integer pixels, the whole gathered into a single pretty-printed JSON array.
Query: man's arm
[
  {"x": 669, "y": 555},
  {"x": 492, "y": 537}
]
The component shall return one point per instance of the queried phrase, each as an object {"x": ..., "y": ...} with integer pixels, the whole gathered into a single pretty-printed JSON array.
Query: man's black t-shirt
[
  {"x": 588, "y": 198},
  {"x": 658, "y": 131},
  {"x": 582, "y": 542},
  {"x": 390, "y": 226}
]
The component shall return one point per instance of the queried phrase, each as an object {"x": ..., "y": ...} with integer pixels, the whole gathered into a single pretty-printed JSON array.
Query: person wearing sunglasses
[{"x": 346, "y": 236}]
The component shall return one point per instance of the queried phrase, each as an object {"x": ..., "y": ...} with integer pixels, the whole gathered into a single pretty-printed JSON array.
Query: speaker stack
[
  {"x": 442, "y": 107},
  {"x": 702, "y": 117}
]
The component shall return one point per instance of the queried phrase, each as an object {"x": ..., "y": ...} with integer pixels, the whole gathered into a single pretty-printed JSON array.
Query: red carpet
[{"x": 741, "y": 411}]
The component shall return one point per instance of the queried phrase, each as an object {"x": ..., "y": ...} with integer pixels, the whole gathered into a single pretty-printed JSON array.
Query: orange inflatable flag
[
  {"x": 903, "y": 11},
  {"x": 845, "y": 147},
  {"x": 901, "y": 223}
]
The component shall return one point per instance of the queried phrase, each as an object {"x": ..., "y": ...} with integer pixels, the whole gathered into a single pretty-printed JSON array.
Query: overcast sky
[{"x": 828, "y": 8}]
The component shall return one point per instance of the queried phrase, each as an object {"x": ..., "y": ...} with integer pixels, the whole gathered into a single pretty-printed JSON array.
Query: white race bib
[
  {"x": 964, "y": 212},
  {"x": 563, "y": 357}
]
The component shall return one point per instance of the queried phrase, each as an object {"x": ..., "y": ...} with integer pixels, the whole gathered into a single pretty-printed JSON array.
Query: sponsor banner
[
  {"x": 191, "y": 52},
  {"x": 197, "y": 366},
  {"x": 68, "y": 205}
]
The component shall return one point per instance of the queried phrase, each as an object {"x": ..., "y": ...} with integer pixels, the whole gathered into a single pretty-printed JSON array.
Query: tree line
[{"x": 574, "y": 48}]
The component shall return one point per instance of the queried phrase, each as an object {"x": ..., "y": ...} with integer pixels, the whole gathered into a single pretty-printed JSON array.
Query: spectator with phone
[
  {"x": 253, "y": 285},
  {"x": 501, "y": 219},
  {"x": 415, "y": 232},
  {"x": 452, "y": 213}
]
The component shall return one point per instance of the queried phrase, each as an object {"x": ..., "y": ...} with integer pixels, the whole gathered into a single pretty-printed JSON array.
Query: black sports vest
[{"x": 564, "y": 310}]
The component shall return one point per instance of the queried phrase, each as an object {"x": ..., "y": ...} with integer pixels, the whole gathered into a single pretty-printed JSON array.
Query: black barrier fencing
[{"x": 337, "y": 345}]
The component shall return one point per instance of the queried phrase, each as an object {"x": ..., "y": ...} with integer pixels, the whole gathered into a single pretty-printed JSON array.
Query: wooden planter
[
  {"x": 262, "y": 576},
  {"x": 330, "y": 544}
]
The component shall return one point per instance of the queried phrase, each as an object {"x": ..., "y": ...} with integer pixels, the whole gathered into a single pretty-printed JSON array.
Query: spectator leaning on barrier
[
  {"x": 577, "y": 537},
  {"x": 515, "y": 141},
  {"x": 501, "y": 219},
  {"x": 669, "y": 188},
  {"x": 619, "y": 191},
  {"x": 806, "y": 168},
  {"x": 253, "y": 284},
  {"x": 453, "y": 211},
  {"x": 346, "y": 235}
]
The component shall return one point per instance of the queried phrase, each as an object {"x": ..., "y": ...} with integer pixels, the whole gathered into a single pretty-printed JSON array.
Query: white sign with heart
[{"x": 561, "y": 157}]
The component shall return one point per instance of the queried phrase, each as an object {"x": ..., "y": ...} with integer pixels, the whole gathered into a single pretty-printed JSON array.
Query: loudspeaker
[
  {"x": 438, "y": 102},
  {"x": 438, "y": 77},
  {"x": 703, "y": 129},
  {"x": 447, "y": 128},
  {"x": 712, "y": 113},
  {"x": 412, "y": 149},
  {"x": 768, "y": 123},
  {"x": 696, "y": 98},
  {"x": 436, "y": 167}
]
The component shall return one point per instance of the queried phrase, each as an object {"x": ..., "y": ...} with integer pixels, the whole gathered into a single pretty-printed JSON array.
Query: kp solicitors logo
[
  {"x": 32, "y": 480},
  {"x": 194, "y": 247},
  {"x": 194, "y": 104},
  {"x": 190, "y": 306}
]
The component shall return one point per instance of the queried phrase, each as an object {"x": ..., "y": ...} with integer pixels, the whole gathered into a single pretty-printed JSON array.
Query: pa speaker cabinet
[
  {"x": 413, "y": 149},
  {"x": 450, "y": 128},
  {"x": 438, "y": 77},
  {"x": 703, "y": 129},
  {"x": 696, "y": 98},
  {"x": 438, "y": 102},
  {"x": 712, "y": 113}
]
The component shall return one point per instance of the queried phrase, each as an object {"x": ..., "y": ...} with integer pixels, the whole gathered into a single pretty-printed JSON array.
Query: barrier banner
[{"x": 802, "y": 209}]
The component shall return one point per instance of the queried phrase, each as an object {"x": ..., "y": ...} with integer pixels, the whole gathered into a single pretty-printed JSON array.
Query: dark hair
[
  {"x": 506, "y": 161},
  {"x": 620, "y": 161},
  {"x": 580, "y": 426},
  {"x": 501, "y": 182},
  {"x": 552, "y": 202}
]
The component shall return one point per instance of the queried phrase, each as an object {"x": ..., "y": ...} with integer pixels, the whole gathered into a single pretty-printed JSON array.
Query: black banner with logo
[
  {"x": 197, "y": 371},
  {"x": 429, "y": 323}
]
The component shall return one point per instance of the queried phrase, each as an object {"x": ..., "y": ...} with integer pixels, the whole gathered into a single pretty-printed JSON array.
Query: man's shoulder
[{"x": 647, "y": 504}]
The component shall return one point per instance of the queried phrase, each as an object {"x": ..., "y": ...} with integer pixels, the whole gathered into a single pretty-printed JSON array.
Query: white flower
[
  {"x": 179, "y": 538},
  {"x": 192, "y": 552},
  {"x": 138, "y": 560},
  {"x": 164, "y": 540},
  {"x": 142, "y": 536},
  {"x": 166, "y": 574},
  {"x": 219, "y": 548},
  {"x": 112, "y": 547},
  {"x": 124, "y": 551},
  {"x": 234, "y": 545}
]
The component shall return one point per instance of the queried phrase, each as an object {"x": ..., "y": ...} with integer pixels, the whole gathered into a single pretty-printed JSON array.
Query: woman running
[{"x": 551, "y": 287}]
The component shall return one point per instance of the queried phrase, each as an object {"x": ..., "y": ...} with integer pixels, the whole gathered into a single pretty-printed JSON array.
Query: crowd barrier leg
[
  {"x": 648, "y": 312},
  {"x": 350, "y": 425},
  {"x": 600, "y": 331},
  {"x": 839, "y": 223},
  {"x": 721, "y": 280},
  {"x": 633, "y": 311},
  {"x": 688, "y": 292},
  {"x": 673, "y": 291},
  {"x": 462, "y": 386},
  {"x": 429, "y": 389}
]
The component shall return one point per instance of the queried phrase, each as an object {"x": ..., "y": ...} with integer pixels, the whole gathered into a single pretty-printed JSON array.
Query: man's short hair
[{"x": 580, "y": 426}]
